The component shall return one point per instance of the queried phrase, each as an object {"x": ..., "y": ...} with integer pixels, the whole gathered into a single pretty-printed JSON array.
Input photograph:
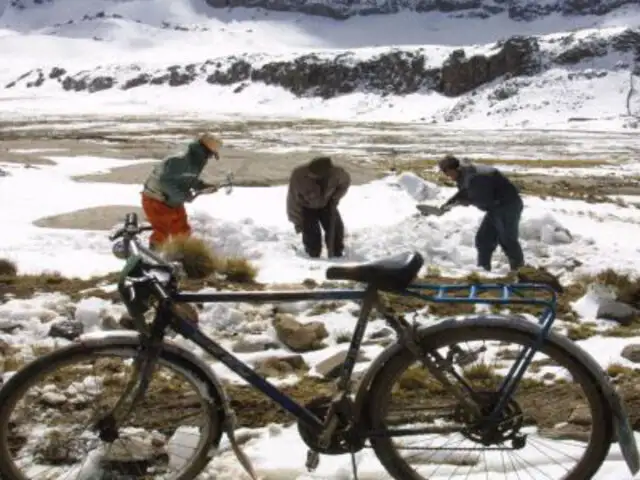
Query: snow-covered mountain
[{"x": 451, "y": 61}]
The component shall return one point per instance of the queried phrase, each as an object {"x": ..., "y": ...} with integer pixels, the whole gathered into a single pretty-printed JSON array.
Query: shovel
[{"x": 431, "y": 210}]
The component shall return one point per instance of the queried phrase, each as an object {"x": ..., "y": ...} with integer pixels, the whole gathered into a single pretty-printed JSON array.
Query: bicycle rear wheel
[
  {"x": 168, "y": 435},
  {"x": 557, "y": 406}
]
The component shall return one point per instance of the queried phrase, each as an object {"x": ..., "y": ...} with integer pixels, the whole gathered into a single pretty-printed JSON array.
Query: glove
[{"x": 191, "y": 196}]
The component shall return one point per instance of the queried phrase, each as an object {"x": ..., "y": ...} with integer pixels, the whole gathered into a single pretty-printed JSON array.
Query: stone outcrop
[
  {"x": 522, "y": 10},
  {"x": 326, "y": 75}
]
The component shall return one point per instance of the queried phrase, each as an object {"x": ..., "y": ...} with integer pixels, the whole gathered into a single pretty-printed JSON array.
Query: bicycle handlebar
[{"x": 129, "y": 234}]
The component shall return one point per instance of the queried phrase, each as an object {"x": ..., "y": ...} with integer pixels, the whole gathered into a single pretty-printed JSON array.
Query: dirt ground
[
  {"x": 249, "y": 168},
  {"x": 248, "y": 154},
  {"x": 97, "y": 218}
]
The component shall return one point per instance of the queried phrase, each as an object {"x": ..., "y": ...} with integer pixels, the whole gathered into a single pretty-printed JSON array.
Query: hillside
[{"x": 454, "y": 62}]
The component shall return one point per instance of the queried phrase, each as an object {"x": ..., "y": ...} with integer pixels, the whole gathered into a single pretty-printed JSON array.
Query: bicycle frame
[{"x": 368, "y": 297}]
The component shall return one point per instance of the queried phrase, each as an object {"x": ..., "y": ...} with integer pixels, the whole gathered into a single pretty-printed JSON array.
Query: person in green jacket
[{"x": 172, "y": 183}]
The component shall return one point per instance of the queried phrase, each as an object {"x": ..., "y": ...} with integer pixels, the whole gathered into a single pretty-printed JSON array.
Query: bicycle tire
[
  {"x": 467, "y": 330},
  {"x": 12, "y": 392}
]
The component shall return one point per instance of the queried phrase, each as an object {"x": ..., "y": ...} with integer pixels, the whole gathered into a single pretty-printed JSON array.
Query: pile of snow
[{"x": 419, "y": 189}]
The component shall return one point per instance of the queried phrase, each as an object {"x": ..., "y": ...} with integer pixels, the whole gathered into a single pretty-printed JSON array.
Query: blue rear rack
[{"x": 534, "y": 294}]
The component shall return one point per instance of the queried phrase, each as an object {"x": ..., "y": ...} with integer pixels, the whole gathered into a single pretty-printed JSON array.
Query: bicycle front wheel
[
  {"x": 49, "y": 408},
  {"x": 556, "y": 426}
]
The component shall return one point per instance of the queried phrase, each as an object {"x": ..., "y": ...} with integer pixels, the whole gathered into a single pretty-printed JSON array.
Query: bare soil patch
[
  {"x": 249, "y": 168},
  {"x": 95, "y": 218}
]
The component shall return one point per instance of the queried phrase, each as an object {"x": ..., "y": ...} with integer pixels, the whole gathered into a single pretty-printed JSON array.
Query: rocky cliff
[
  {"x": 342, "y": 9},
  {"x": 388, "y": 72}
]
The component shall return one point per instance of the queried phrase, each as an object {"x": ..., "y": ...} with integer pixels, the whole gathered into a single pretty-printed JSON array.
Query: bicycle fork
[{"x": 136, "y": 389}]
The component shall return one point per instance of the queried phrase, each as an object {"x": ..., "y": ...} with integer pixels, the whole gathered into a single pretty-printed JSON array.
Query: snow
[
  {"x": 380, "y": 216},
  {"x": 381, "y": 219},
  {"x": 590, "y": 95}
]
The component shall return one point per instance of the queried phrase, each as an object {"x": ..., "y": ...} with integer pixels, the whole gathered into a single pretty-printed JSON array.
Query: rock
[
  {"x": 188, "y": 312},
  {"x": 252, "y": 346},
  {"x": 517, "y": 56},
  {"x": 581, "y": 415},
  {"x": 47, "y": 316},
  {"x": 133, "y": 450},
  {"x": 566, "y": 432},
  {"x": 281, "y": 366},
  {"x": 5, "y": 348},
  {"x": 68, "y": 329},
  {"x": 584, "y": 49},
  {"x": 53, "y": 399},
  {"x": 8, "y": 326},
  {"x": 57, "y": 72},
  {"x": 100, "y": 83},
  {"x": 297, "y": 336},
  {"x": 616, "y": 311},
  {"x": 384, "y": 332},
  {"x": 631, "y": 353},
  {"x": 332, "y": 367},
  {"x": 126, "y": 322},
  {"x": 525, "y": 10}
]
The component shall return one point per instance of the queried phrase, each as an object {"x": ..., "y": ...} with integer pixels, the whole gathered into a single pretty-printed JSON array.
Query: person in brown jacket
[{"x": 315, "y": 189}]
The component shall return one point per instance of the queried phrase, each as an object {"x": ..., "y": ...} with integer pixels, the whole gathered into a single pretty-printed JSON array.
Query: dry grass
[
  {"x": 26, "y": 286},
  {"x": 239, "y": 270},
  {"x": 201, "y": 262},
  {"x": 587, "y": 188},
  {"x": 197, "y": 258},
  {"x": 7, "y": 268}
]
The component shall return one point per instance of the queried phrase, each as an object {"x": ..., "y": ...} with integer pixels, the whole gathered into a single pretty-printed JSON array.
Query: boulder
[
  {"x": 631, "y": 353},
  {"x": 67, "y": 329},
  {"x": 281, "y": 366},
  {"x": 331, "y": 367},
  {"x": 617, "y": 311},
  {"x": 299, "y": 337},
  {"x": 253, "y": 346}
]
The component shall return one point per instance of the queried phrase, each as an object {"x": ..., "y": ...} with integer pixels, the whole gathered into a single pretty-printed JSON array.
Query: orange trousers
[{"x": 166, "y": 221}]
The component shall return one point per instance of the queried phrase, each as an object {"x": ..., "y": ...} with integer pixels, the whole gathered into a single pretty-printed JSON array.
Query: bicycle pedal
[{"x": 313, "y": 460}]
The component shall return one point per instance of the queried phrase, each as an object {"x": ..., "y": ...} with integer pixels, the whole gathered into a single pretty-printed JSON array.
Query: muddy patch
[
  {"x": 249, "y": 169},
  {"x": 96, "y": 218}
]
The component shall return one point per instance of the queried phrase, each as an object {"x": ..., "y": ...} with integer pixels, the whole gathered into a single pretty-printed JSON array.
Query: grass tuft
[
  {"x": 8, "y": 268},
  {"x": 197, "y": 258},
  {"x": 239, "y": 270}
]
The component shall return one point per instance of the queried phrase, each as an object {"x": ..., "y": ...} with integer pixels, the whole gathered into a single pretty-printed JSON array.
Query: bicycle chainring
[{"x": 344, "y": 439}]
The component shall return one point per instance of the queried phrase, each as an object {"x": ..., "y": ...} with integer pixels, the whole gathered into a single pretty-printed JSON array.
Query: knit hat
[
  {"x": 320, "y": 166},
  {"x": 449, "y": 162}
]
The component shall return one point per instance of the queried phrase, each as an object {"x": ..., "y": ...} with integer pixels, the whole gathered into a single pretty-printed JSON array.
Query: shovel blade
[{"x": 428, "y": 210}]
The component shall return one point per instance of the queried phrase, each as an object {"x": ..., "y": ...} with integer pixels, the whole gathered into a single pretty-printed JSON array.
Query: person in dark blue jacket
[{"x": 487, "y": 189}]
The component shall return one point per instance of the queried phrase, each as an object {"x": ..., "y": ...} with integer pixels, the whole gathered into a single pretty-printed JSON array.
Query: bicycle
[{"x": 334, "y": 424}]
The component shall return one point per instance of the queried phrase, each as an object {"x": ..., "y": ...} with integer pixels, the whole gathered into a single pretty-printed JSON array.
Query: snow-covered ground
[
  {"x": 588, "y": 95},
  {"x": 381, "y": 220},
  {"x": 380, "y": 216}
]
